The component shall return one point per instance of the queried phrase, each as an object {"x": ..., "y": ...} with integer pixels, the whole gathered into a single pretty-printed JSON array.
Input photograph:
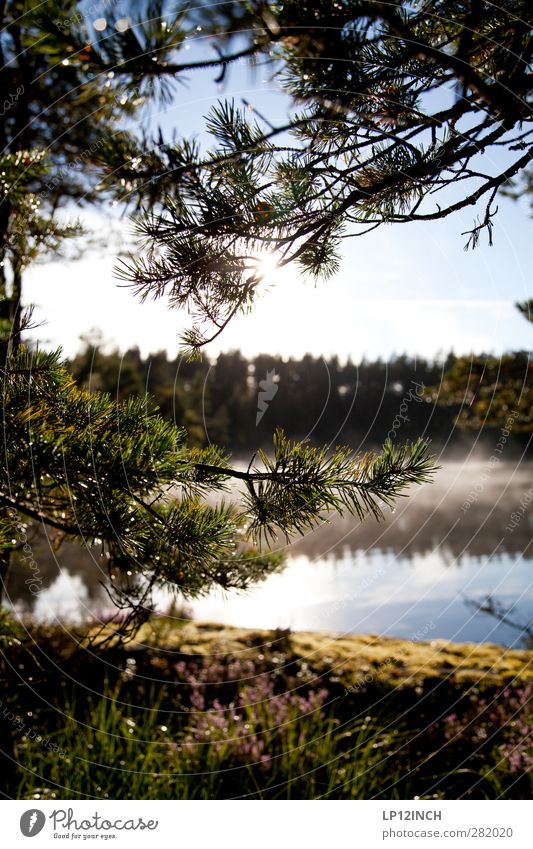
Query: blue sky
[{"x": 403, "y": 288}]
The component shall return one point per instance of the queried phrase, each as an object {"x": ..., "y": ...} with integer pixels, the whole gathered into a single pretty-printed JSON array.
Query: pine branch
[
  {"x": 368, "y": 148},
  {"x": 119, "y": 476},
  {"x": 301, "y": 483}
]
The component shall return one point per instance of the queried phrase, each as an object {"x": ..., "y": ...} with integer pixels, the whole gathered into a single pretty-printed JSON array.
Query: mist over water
[{"x": 410, "y": 575}]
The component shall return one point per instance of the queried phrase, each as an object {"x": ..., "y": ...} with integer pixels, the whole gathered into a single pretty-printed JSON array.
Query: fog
[{"x": 465, "y": 513}]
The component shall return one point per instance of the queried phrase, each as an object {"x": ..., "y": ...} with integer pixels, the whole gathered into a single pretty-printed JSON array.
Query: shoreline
[{"x": 388, "y": 661}]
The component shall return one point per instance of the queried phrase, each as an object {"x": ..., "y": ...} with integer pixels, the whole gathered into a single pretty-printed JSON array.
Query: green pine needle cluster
[
  {"x": 119, "y": 477},
  {"x": 300, "y": 484},
  {"x": 392, "y": 104}
]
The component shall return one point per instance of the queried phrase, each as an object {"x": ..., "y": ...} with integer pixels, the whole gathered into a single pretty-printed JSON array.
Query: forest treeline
[{"x": 237, "y": 402}]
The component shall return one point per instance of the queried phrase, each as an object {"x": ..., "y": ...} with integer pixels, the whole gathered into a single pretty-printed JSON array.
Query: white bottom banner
[{"x": 268, "y": 825}]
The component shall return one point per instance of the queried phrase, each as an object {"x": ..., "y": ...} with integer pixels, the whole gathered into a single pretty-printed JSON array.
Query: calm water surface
[{"x": 409, "y": 576}]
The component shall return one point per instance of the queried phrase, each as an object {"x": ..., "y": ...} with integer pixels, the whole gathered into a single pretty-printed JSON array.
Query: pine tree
[
  {"x": 492, "y": 391},
  {"x": 119, "y": 476},
  {"x": 61, "y": 104},
  {"x": 68, "y": 88},
  {"x": 397, "y": 109},
  {"x": 115, "y": 474}
]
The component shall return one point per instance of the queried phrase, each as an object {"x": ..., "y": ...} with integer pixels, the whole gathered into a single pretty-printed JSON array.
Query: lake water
[{"x": 409, "y": 576}]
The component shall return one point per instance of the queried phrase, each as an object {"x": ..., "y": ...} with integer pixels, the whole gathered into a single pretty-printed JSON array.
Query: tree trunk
[
  {"x": 5, "y": 557},
  {"x": 7, "y": 744},
  {"x": 16, "y": 309}
]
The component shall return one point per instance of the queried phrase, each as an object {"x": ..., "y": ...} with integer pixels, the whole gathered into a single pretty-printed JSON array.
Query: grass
[
  {"x": 228, "y": 713},
  {"x": 115, "y": 750},
  {"x": 413, "y": 660}
]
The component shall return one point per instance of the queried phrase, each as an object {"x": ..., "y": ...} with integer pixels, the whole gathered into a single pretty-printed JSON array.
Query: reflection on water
[{"x": 408, "y": 576}]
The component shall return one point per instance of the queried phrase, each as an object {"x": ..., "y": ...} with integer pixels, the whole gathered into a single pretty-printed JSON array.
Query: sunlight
[{"x": 267, "y": 264}]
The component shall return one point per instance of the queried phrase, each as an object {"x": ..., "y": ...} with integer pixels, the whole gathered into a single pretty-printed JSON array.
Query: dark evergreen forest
[{"x": 238, "y": 402}]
